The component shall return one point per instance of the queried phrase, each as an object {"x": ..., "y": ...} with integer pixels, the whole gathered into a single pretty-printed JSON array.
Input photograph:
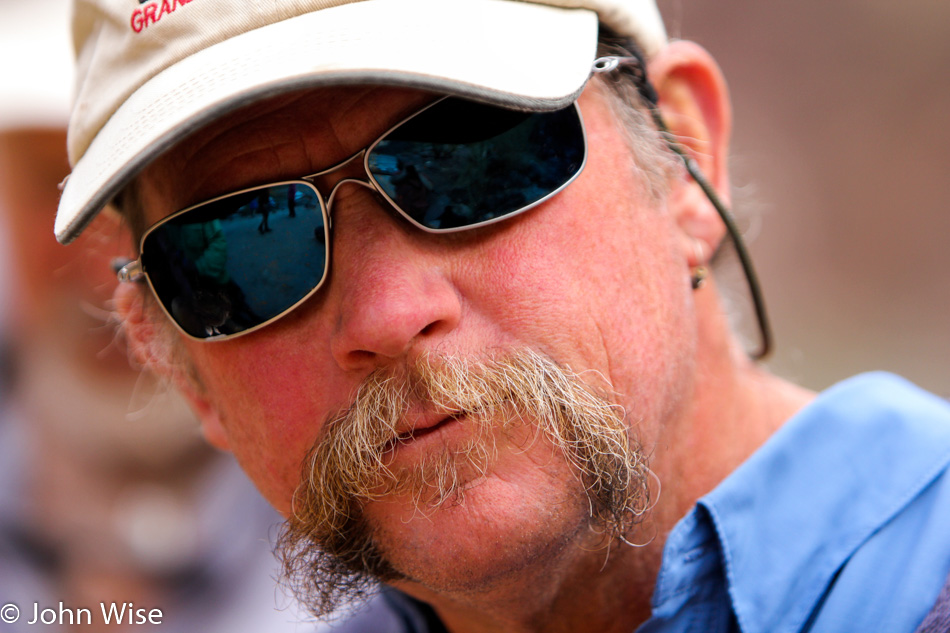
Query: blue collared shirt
[{"x": 839, "y": 522}]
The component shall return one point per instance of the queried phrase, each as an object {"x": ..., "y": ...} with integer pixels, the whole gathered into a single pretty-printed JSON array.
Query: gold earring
[
  {"x": 700, "y": 272},
  {"x": 698, "y": 278}
]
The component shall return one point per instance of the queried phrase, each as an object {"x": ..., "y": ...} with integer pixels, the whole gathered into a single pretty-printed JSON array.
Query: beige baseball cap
[{"x": 152, "y": 71}]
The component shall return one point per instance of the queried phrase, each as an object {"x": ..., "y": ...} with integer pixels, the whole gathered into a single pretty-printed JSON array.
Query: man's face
[{"x": 592, "y": 279}]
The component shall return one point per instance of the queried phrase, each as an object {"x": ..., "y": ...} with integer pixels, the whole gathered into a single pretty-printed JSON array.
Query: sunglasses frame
[{"x": 135, "y": 270}]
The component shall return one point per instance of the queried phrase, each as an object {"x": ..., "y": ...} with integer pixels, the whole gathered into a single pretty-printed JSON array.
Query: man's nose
[{"x": 393, "y": 290}]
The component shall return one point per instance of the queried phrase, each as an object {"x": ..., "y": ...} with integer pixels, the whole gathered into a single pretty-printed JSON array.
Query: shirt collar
[{"x": 791, "y": 515}]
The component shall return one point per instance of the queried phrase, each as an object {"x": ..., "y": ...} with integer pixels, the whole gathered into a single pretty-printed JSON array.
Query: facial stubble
[{"x": 328, "y": 549}]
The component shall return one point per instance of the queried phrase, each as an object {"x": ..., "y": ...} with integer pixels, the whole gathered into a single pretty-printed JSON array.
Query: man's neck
[{"x": 590, "y": 588}]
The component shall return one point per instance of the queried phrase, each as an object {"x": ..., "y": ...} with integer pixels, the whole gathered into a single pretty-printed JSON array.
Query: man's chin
[{"x": 496, "y": 527}]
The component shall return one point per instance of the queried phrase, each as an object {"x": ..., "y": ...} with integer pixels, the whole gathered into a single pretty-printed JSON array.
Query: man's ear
[
  {"x": 151, "y": 349},
  {"x": 694, "y": 103}
]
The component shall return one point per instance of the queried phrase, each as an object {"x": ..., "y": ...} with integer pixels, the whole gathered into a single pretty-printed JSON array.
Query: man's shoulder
[
  {"x": 843, "y": 512},
  {"x": 893, "y": 578},
  {"x": 866, "y": 405}
]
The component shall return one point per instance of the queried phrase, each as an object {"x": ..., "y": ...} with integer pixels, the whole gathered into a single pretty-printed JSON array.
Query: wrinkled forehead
[{"x": 280, "y": 138}]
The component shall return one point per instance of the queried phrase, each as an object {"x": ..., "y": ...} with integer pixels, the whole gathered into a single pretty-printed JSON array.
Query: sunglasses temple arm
[{"x": 745, "y": 259}]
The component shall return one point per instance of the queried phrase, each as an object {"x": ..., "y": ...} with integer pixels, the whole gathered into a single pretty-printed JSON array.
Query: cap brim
[{"x": 479, "y": 49}]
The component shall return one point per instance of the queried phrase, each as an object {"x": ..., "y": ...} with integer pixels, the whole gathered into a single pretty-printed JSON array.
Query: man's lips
[
  {"x": 422, "y": 426},
  {"x": 426, "y": 425}
]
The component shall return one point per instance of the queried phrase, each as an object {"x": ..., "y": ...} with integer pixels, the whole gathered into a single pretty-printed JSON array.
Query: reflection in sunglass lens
[
  {"x": 461, "y": 163},
  {"x": 236, "y": 262}
]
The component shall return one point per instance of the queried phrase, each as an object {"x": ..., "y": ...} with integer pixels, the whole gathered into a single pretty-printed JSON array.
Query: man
[
  {"x": 107, "y": 492},
  {"x": 488, "y": 366}
]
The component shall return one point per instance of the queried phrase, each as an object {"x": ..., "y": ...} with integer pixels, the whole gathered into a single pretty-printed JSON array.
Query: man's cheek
[
  {"x": 270, "y": 425},
  {"x": 524, "y": 279}
]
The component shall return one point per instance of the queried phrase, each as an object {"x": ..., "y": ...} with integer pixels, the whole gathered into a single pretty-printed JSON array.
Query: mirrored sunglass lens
[
  {"x": 234, "y": 263},
  {"x": 461, "y": 163}
]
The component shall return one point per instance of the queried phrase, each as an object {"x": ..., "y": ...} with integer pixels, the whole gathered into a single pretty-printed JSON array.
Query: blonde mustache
[{"x": 350, "y": 462}]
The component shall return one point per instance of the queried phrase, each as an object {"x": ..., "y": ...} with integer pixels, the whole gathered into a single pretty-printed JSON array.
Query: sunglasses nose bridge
[
  {"x": 356, "y": 181},
  {"x": 349, "y": 169}
]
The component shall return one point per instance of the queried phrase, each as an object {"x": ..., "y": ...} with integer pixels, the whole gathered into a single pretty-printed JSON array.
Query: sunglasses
[
  {"x": 236, "y": 263},
  {"x": 452, "y": 166}
]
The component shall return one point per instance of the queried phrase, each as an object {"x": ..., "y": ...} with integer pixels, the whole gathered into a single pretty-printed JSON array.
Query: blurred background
[{"x": 840, "y": 154}]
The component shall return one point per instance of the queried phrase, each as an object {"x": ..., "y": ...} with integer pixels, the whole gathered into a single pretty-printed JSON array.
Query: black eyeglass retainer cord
[{"x": 635, "y": 67}]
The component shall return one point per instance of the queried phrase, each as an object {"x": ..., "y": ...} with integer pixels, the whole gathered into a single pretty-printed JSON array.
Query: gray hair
[{"x": 654, "y": 162}]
